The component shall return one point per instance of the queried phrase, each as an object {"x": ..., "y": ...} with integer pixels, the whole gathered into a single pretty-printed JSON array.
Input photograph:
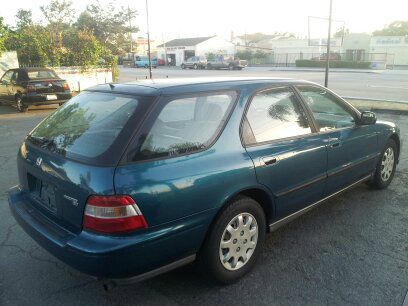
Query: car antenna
[{"x": 111, "y": 86}]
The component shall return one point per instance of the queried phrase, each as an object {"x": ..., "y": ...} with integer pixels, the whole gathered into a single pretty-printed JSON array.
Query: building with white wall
[
  {"x": 178, "y": 50},
  {"x": 8, "y": 60},
  {"x": 396, "y": 48}
]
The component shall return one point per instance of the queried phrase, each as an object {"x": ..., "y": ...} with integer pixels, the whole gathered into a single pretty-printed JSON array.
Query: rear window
[
  {"x": 185, "y": 125},
  {"x": 88, "y": 125},
  {"x": 41, "y": 74}
]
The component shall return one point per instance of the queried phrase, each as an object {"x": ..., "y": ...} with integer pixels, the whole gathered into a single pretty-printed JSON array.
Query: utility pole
[
  {"x": 130, "y": 35},
  {"x": 326, "y": 77},
  {"x": 148, "y": 41}
]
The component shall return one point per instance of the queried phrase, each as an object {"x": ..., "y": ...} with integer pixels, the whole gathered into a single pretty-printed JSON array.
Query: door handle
[{"x": 269, "y": 160}]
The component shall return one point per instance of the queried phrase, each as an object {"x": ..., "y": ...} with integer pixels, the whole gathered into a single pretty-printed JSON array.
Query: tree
[
  {"x": 396, "y": 28},
  {"x": 109, "y": 24},
  {"x": 341, "y": 32},
  {"x": 4, "y": 34},
  {"x": 24, "y": 18},
  {"x": 58, "y": 12}
]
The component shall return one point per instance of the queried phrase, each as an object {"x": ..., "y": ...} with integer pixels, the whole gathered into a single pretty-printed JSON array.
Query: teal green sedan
[{"x": 126, "y": 181}]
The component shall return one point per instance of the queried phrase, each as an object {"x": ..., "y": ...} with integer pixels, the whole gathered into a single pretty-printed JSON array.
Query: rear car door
[
  {"x": 352, "y": 149},
  {"x": 289, "y": 157}
]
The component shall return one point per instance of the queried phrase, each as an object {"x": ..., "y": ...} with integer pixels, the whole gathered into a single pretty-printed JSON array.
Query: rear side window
[
  {"x": 88, "y": 125},
  {"x": 274, "y": 114},
  {"x": 185, "y": 125},
  {"x": 41, "y": 74}
]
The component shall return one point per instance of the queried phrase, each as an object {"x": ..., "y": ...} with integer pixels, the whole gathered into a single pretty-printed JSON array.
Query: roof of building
[{"x": 192, "y": 41}]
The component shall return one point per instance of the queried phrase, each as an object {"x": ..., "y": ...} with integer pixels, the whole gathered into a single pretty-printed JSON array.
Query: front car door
[
  {"x": 352, "y": 149},
  {"x": 5, "y": 83},
  {"x": 289, "y": 157}
]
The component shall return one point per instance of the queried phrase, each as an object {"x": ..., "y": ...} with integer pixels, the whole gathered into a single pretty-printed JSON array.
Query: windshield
[
  {"x": 87, "y": 125},
  {"x": 41, "y": 74}
]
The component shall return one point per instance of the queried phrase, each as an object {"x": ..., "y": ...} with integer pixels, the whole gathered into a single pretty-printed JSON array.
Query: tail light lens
[
  {"x": 113, "y": 214},
  {"x": 66, "y": 86},
  {"x": 30, "y": 88}
]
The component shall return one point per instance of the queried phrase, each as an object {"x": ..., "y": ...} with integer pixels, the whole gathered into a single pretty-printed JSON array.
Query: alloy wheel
[
  {"x": 387, "y": 164},
  {"x": 238, "y": 241}
]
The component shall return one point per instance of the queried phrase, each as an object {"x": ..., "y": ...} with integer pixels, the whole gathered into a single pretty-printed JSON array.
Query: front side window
[
  {"x": 185, "y": 125},
  {"x": 7, "y": 76},
  {"x": 272, "y": 115},
  {"x": 326, "y": 108}
]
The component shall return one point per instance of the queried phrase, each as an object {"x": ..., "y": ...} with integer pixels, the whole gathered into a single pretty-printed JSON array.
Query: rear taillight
[
  {"x": 113, "y": 214},
  {"x": 66, "y": 86},
  {"x": 30, "y": 88}
]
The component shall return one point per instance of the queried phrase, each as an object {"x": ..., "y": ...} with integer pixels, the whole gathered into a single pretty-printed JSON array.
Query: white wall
[
  {"x": 215, "y": 45},
  {"x": 397, "y": 45},
  {"x": 8, "y": 60},
  {"x": 78, "y": 79}
]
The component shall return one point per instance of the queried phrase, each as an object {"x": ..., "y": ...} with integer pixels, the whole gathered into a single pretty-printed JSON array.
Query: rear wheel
[
  {"x": 146, "y": 66},
  {"x": 183, "y": 66},
  {"x": 209, "y": 66},
  {"x": 231, "y": 67},
  {"x": 385, "y": 170},
  {"x": 234, "y": 242},
  {"x": 19, "y": 104},
  {"x": 195, "y": 66}
]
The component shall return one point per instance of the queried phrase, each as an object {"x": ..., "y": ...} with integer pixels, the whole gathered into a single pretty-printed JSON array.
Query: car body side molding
[{"x": 275, "y": 225}]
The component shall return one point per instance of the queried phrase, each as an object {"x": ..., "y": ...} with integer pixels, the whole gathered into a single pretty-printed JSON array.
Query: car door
[
  {"x": 352, "y": 149},
  {"x": 289, "y": 156},
  {"x": 5, "y": 83},
  {"x": 12, "y": 89}
]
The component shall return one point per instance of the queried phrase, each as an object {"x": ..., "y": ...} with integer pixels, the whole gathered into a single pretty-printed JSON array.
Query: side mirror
[{"x": 368, "y": 117}]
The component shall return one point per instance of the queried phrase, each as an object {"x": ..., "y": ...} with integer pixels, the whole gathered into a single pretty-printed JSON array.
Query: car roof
[{"x": 180, "y": 85}]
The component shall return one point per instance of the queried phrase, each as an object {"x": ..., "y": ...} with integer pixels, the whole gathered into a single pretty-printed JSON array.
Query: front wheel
[
  {"x": 235, "y": 241},
  {"x": 183, "y": 66},
  {"x": 19, "y": 104},
  {"x": 385, "y": 170},
  {"x": 231, "y": 67}
]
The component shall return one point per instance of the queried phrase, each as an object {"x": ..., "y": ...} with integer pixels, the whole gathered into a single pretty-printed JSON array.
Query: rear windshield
[
  {"x": 41, "y": 74},
  {"x": 185, "y": 125},
  {"x": 88, "y": 125}
]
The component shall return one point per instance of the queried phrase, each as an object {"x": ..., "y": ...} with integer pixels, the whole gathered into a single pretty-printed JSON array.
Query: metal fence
[{"x": 289, "y": 59}]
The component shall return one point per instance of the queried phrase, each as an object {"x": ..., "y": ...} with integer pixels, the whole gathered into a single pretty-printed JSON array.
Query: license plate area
[
  {"x": 51, "y": 97},
  {"x": 43, "y": 193}
]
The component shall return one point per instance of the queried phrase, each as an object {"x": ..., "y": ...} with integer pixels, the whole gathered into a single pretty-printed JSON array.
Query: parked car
[
  {"x": 221, "y": 62},
  {"x": 23, "y": 87},
  {"x": 161, "y": 62},
  {"x": 124, "y": 182},
  {"x": 195, "y": 62},
  {"x": 141, "y": 61}
]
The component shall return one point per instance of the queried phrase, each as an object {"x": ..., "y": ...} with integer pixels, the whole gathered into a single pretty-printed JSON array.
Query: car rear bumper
[
  {"x": 41, "y": 99},
  {"x": 113, "y": 257}
]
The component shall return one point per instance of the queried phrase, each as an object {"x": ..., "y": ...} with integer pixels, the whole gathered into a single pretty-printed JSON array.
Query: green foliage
[
  {"x": 396, "y": 28},
  {"x": 333, "y": 64},
  {"x": 4, "y": 35},
  {"x": 58, "y": 12},
  {"x": 248, "y": 55},
  {"x": 109, "y": 24}
]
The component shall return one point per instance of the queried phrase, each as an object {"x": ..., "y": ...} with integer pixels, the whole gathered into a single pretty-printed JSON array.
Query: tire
[
  {"x": 183, "y": 66},
  {"x": 209, "y": 67},
  {"x": 19, "y": 104},
  {"x": 146, "y": 66},
  {"x": 385, "y": 170},
  {"x": 195, "y": 66},
  {"x": 244, "y": 241},
  {"x": 231, "y": 67}
]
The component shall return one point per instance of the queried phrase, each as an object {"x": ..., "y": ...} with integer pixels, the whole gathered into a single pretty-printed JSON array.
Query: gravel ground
[{"x": 351, "y": 251}]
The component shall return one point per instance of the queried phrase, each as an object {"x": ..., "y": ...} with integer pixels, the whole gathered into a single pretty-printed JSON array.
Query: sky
[{"x": 188, "y": 18}]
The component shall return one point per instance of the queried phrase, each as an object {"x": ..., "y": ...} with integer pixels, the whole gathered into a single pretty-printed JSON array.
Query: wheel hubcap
[
  {"x": 238, "y": 242},
  {"x": 387, "y": 164}
]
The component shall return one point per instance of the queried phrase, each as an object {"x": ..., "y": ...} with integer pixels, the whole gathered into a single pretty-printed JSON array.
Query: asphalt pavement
[
  {"x": 387, "y": 84},
  {"x": 353, "y": 250}
]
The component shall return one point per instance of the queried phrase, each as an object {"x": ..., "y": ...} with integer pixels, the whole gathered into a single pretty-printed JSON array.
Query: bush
[{"x": 333, "y": 64}]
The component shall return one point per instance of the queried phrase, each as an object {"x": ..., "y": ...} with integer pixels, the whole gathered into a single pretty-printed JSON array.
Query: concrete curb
[{"x": 377, "y": 104}]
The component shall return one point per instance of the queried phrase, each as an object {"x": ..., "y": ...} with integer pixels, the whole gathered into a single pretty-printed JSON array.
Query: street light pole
[
  {"x": 148, "y": 41},
  {"x": 326, "y": 77}
]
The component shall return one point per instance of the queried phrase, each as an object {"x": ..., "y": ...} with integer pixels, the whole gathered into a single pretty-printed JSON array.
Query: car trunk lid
[{"x": 47, "y": 85}]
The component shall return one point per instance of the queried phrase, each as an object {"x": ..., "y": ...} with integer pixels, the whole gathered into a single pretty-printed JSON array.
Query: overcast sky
[{"x": 189, "y": 18}]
